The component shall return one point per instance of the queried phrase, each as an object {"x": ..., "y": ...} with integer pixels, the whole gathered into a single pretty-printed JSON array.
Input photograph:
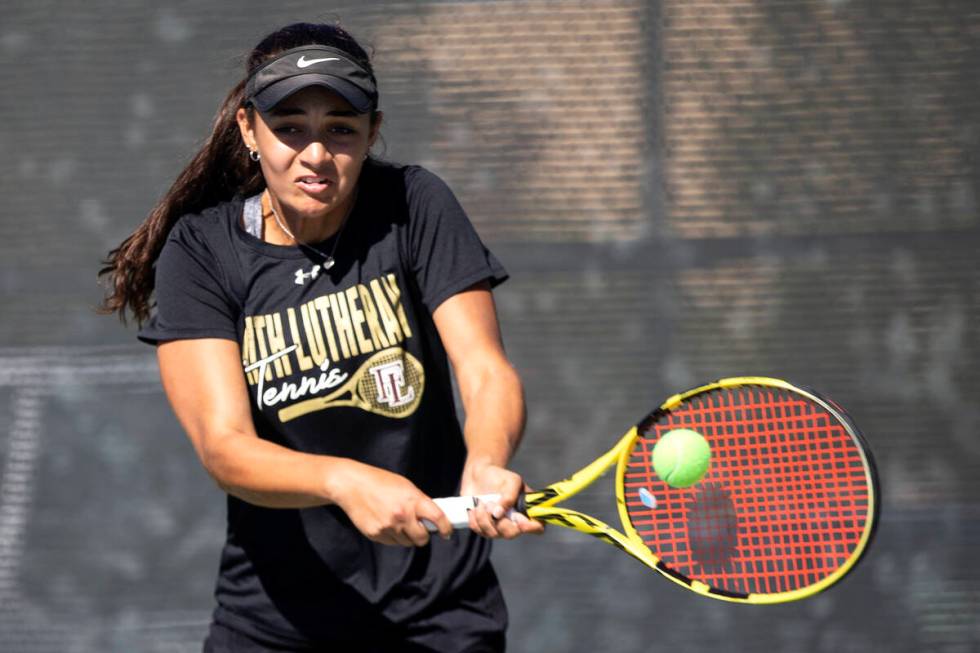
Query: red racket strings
[{"x": 783, "y": 505}]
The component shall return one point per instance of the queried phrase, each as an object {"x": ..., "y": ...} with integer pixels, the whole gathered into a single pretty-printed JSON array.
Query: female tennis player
[{"x": 309, "y": 302}]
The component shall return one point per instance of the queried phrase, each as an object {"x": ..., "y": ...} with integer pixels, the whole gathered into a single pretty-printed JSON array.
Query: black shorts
[{"x": 473, "y": 622}]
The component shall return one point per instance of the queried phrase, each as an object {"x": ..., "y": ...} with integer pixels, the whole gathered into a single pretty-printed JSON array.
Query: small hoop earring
[{"x": 254, "y": 155}]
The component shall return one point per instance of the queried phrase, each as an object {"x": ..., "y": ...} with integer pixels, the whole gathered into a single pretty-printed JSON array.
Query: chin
[{"x": 309, "y": 207}]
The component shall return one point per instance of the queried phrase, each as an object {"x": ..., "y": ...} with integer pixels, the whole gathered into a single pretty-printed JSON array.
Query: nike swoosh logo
[{"x": 304, "y": 63}]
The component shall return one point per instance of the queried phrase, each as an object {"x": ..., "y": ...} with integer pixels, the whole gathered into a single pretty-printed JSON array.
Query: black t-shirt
[{"x": 343, "y": 362}]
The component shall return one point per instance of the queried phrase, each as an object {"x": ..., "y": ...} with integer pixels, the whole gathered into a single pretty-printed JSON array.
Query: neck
[{"x": 302, "y": 230}]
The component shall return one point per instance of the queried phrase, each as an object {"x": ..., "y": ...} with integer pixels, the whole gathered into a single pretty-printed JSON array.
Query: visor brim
[{"x": 275, "y": 93}]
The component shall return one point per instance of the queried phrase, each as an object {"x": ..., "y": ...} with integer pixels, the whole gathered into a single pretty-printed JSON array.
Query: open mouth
[{"x": 313, "y": 184}]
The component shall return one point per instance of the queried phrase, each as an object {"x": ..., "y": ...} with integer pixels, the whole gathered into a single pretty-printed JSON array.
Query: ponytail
[{"x": 219, "y": 170}]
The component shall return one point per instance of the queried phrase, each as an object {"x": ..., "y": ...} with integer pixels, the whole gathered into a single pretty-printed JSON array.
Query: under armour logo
[
  {"x": 302, "y": 277},
  {"x": 389, "y": 379}
]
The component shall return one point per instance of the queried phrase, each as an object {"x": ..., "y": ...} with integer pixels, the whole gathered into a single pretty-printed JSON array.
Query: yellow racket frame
[{"x": 541, "y": 505}]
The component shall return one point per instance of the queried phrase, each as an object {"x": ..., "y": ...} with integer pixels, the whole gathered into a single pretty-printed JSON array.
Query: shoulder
[
  {"x": 200, "y": 252},
  {"x": 423, "y": 184},
  {"x": 207, "y": 228},
  {"x": 203, "y": 241},
  {"x": 413, "y": 182}
]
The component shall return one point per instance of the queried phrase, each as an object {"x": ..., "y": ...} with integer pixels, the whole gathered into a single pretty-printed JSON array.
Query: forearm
[
  {"x": 493, "y": 399},
  {"x": 495, "y": 416},
  {"x": 491, "y": 391},
  {"x": 384, "y": 506},
  {"x": 204, "y": 383},
  {"x": 494, "y": 426},
  {"x": 270, "y": 475}
]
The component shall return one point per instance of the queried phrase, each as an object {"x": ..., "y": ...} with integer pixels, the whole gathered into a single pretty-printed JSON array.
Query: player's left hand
[{"x": 490, "y": 519}]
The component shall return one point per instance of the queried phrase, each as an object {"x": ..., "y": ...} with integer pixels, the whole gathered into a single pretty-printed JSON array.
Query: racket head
[{"x": 789, "y": 503}]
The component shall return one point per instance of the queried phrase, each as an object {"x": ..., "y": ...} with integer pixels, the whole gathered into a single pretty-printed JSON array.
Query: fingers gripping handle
[{"x": 457, "y": 509}]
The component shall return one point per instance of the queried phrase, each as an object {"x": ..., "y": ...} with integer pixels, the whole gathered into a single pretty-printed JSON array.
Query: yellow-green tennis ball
[{"x": 681, "y": 457}]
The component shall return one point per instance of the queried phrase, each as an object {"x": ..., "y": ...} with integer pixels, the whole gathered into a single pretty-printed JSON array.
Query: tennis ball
[{"x": 681, "y": 457}]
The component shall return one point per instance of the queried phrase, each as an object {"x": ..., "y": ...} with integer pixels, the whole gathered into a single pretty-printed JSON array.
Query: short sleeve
[
  {"x": 192, "y": 300},
  {"x": 447, "y": 254}
]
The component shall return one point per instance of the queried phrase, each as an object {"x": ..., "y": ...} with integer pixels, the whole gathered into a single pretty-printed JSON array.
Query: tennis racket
[
  {"x": 389, "y": 383},
  {"x": 786, "y": 509}
]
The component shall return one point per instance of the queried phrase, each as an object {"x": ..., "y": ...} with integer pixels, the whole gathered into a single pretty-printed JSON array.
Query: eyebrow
[{"x": 294, "y": 111}]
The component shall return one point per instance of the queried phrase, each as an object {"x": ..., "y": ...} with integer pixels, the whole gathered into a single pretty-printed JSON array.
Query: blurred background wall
[{"x": 681, "y": 190}]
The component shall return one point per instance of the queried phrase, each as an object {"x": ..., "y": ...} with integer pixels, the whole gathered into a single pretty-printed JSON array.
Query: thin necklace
[{"x": 328, "y": 259}]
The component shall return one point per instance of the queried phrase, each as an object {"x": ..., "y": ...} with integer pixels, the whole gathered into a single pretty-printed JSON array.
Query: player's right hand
[{"x": 386, "y": 507}]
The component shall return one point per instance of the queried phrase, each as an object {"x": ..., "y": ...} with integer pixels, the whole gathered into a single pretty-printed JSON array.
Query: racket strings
[{"x": 783, "y": 505}]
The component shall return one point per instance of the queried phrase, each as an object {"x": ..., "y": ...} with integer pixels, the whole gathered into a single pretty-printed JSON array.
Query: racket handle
[{"x": 457, "y": 509}]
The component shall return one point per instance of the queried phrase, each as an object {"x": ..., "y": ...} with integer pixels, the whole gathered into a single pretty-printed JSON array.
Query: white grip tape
[{"x": 457, "y": 509}]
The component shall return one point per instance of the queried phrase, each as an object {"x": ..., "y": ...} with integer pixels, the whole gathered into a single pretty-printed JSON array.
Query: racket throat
[{"x": 581, "y": 479}]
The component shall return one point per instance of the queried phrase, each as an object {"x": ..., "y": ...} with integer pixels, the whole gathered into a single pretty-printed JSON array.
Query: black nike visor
[{"x": 312, "y": 65}]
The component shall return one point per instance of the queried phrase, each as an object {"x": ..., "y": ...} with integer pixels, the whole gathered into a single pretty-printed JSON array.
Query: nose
[{"x": 316, "y": 153}]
